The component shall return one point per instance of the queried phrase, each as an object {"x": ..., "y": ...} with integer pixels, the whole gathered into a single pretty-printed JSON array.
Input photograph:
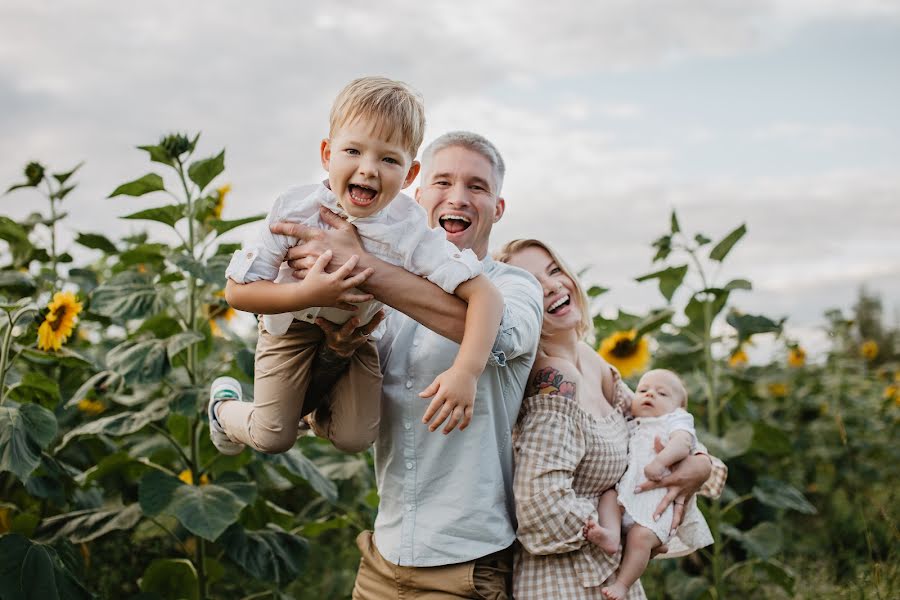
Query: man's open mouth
[
  {"x": 454, "y": 223},
  {"x": 361, "y": 195},
  {"x": 559, "y": 304}
]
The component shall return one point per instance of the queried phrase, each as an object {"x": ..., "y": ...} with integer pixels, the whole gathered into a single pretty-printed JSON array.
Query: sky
[{"x": 610, "y": 114}]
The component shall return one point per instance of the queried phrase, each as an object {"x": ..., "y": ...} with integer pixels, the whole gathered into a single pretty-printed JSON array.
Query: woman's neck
[{"x": 562, "y": 344}]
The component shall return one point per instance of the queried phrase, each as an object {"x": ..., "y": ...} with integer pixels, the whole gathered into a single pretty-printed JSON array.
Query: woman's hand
[{"x": 685, "y": 480}]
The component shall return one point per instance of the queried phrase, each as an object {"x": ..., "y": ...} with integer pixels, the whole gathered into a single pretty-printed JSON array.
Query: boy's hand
[
  {"x": 334, "y": 289},
  {"x": 454, "y": 396}
]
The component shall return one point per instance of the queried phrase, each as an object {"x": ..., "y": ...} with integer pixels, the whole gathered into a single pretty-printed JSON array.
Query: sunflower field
[{"x": 110, "y": 487}]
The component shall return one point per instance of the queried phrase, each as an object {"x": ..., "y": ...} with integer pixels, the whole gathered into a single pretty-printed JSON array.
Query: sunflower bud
[
  {"x": 175, "y": 145},
  {"x": 34, "y": 172}
]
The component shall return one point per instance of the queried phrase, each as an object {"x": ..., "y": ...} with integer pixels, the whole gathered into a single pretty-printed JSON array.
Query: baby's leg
[
  {"x": 608, "y": 532},
  {"x": 351, "y": 416},
  {"x": 639, "y": 542},
  {"x": 282, "y": 375}
]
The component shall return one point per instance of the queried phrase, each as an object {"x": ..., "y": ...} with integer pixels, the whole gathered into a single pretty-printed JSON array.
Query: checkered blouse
[{"x": 565, "y": 459}]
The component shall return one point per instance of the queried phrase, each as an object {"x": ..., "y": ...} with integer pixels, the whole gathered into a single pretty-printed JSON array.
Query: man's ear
[
  {"x": 325, "y": 153},
  {"x": 499, "y": 209},
  {"x": 411, "y": 174}
]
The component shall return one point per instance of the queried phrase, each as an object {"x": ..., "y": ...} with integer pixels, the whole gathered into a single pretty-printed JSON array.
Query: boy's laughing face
[{"x": 365, "y": 171}]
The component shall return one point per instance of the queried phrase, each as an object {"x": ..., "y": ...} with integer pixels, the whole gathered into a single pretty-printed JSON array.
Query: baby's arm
[
  {"x": 454, "y": 389},
  {"x": 678, "y": 448},
  {"x": 317, "y": 289}
]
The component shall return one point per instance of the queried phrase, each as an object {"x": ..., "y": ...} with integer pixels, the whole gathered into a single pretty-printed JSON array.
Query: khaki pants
[
  {"x": 283, "y": 373},
  {"x": 485, "y": 578}
]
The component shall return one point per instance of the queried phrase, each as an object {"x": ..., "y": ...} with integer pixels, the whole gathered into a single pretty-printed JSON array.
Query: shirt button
[
  {"x": 249, "y": 255},
  {"x": 409, "y": 465},
  {"x": 415, "y": 342},
  {"x": 409, "y": 507},
  {"x": 408, "y": 383},
  {"x": 407, "y": 425}
]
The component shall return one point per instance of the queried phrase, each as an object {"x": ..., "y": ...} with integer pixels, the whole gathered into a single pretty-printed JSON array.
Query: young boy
[{"x": 376, "y": 128}]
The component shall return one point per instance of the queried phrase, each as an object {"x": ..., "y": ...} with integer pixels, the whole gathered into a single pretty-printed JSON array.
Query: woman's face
[{"x": 561, "y": 310}]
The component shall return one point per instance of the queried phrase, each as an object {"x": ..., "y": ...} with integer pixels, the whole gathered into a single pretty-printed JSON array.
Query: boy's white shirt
[{"x": 398, "y": 234}]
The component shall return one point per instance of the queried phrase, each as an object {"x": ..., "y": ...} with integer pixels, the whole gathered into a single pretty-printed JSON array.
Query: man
[{"x": 445, "y": 501}]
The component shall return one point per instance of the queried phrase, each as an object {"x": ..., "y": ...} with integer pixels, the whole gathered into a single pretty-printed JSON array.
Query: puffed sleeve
[{"x": 549, "y": 445}]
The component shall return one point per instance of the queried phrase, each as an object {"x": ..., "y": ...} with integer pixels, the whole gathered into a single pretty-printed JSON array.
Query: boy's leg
[
  {"x": 639, "y": 542},
  {"x": 282, "y": 374},
  {"x": 351, "y": 417}
]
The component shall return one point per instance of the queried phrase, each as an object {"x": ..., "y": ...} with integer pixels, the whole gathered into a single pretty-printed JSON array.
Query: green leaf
[
  {"x": 62, "y": 192},
  {"x": 294, "y": 462},
  {"x": 223, "y": 226},
  {"x": 25, "y": 431},
  {"x": 63, "y": 177},
  {"x": 157, "y": 154},
  {"x": 96, "y": 242},
  {"x": 171, "y": 579},
  {"x": 663, "y": 247},
  {"x": 736, "y": 441},
  {"x": 127, "y": 295},
  {"x": 17, "y": 283},
  {"x": 268, "y": 555},
  {"x": 782, "y": 495},
  {"x": 654, "y": 321},
  {"x": 750, "y": 325},
  {"x": 721, "y": 250},
  {"x": 12, "y": 232},
  {"x": 205, "y": 510},
  {"x": 35, "y": 386},
  {"x": 701, "y": 240},
  {"x": 86, "y": 525},
  {"x": 123, "y": 423},
  {"x": 765, "y": 540},
  {"x": 596, "y": 290},
  {"x": 139, "y": 361},
  {"x": 780, "y": 575},
  {"x": 30, "y": 571},
  {"x": 738, "y": 284},
  {"x": 684, "y": 587},
  {"x": 181, "y": 341},
  {"x": 168, "y": 214},
  {"x": 771, "y": 441},
  {"x": 669, "y": 279},
  {"x": 204, "y": 171},
  {"x": 695, "y": 310},
  {"x": 151, "y": 182},
  {"x": 674, "y": 226}
]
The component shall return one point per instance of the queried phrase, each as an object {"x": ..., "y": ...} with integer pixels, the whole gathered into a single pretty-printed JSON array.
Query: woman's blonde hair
[
  {"x": 395, "y": 110},
  {"x": 585, "y": 327}
]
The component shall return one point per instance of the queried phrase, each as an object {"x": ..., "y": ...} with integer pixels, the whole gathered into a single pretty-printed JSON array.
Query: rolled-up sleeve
[
  {"x": 551, "y": 516},
  {"x": 520, "y": 326}
]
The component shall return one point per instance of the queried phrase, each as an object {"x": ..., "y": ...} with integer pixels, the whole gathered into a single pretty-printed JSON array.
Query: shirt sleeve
[
  {"x": 681, "y": 420},
  {"x": 261, "y": 256},
  {"x": 551, "y": 516},
  {"x": 523, "y": 313}
]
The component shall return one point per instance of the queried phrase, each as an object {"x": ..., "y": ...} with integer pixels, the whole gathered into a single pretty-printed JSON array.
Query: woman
[{"x": 571, "y": 445}]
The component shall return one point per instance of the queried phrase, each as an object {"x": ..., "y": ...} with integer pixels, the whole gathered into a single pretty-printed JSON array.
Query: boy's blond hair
[{"x": 396, "y": 111}]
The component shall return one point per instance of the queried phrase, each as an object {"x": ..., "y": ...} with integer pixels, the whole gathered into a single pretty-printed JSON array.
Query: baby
[
  {"x": 658, "y": 410},
  {"x": 376, "y": 128}
]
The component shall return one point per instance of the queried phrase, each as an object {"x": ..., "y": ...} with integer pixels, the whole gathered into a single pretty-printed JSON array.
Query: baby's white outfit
[
  {"x": 693, "y": 533},
  {"x": 398, "y": 234}
]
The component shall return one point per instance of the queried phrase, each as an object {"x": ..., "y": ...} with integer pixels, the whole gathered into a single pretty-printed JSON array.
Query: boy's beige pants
[{"x": 283, "y": 373}]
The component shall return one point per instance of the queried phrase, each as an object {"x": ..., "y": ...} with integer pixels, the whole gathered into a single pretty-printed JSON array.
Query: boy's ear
[
  {"x": 325, "y": 153},
  {"x": 412, "y": 174}
]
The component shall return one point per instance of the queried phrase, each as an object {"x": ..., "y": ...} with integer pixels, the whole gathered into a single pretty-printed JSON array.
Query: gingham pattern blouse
[{"x": 565, "y": 459}]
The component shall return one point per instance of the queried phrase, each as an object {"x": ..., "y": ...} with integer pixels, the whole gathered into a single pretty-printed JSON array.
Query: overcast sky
[{"x": 781, "y": 114}]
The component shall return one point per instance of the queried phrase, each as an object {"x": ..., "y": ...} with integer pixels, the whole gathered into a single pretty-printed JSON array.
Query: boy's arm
[{"x": 318, "y": 289}]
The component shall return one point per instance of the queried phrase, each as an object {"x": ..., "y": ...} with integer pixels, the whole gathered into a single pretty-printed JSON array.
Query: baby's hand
[
  {"x": 454, "y": 396},
  {"x": 654, "y": 471},
  {"x": 335, "y": 289}
]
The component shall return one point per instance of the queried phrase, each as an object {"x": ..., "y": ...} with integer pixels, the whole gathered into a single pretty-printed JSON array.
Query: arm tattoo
[
  {"x": 550, "y": 381},
  {"x": 327, "y": 368}
]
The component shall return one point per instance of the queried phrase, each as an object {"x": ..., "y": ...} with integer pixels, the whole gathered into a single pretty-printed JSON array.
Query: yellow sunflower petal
[{"x": 625, "y": 353}]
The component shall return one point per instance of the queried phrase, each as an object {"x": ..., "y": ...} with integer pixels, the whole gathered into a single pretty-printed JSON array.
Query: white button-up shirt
[
  {"x": 446, "y": 499},
  {"x": 398, "y": 234}
]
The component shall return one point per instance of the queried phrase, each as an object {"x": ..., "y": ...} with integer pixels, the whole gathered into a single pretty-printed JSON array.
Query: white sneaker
[{"x": 221, "y": 390}]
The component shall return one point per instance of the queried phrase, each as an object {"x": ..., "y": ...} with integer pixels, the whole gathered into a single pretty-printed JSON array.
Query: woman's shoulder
[{"x": 551, "y": 375}]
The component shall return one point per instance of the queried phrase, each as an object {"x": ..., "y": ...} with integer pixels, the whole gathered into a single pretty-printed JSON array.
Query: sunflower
[
  {"x": 187, "y": 477},
  {"x": 796, "y": 357},
  {"x": 59, "y": 322},
  {"x": 738, "y": 358},
  {"x": 778, "y": 389},
  {"x": 220, "y": 200},
  {"x": 625, "y": 351},
  {"x": 892, "y": 392},
  {"x": 90, "y": 407},
  {"x": 869, "y": 350},
  {"x": 219, "y": 310}
]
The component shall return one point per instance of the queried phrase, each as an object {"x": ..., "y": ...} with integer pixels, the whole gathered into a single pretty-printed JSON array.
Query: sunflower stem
[{"x": 4, "y": 356}]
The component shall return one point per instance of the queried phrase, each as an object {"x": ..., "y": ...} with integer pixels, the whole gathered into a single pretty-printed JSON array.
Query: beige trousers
[
  {"x": 485, "y": 578},
  {"x": 283, "y": 374}
]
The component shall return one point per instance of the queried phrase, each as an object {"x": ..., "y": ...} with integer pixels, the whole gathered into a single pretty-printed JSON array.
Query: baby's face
[
  {"x": 365, "y": 171},
  {"x": 658, "y": 393}
]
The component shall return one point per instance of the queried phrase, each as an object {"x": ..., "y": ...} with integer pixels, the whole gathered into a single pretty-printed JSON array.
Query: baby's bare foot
[
  {"x": 602, "y": 537},
  {"x": 616, "y": 591}
]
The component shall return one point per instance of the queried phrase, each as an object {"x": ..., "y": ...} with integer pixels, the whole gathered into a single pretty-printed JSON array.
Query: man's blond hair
[{"x": 396, "y": 111}]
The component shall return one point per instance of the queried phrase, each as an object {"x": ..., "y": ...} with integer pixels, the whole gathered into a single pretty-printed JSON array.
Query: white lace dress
[{"x": 693, "y": 533}]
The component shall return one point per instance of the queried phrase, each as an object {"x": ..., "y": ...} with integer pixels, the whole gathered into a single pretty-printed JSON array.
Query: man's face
[
  {"x": 459, "y": 194},
  {"x": 365, "y": 172}
]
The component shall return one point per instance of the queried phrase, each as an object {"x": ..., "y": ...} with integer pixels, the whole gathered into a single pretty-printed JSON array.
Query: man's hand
[
  {"x": 343, "y": 340},
  {"x": 343, "y": 241},
  {"x": 335, "y": 289},
  {"x": 686, "y": 478},
  {"x": 454, "y": 395}
]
